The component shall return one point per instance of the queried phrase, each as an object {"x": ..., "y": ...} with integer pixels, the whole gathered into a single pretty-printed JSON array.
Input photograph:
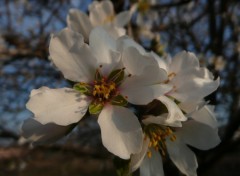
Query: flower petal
[
  {"x": 161, "y": 120},
  {"x": 152, "y": 166},
  {"x": 146, "y": 87},
  {"x": 182, "y": 157},
  {"x": 126, "y": 42},
  {"x": 190, "y": 107},
  {"x": 162, "y": 62},
  {"x": 101, "y": 12},
  {"x": 174, "y": 112},
  {"x": 135, "y": 62},
  {"x": 40, "y": 90},
  {"x": 199, "y": 135},
  {"x": 79, "y": 22},
  {"x": 144, "y": 94},
  {"x": 104, "y": 48},
  {"x": 136, "y": 159},
  {"x": 183, "y": 61},
  {"x": 206, "y": 115},
  {"x": 61, "y": 106},
  {"x": 195, "y": 85},
  {"x": 121, "y": 131},
  {"x": 122, "y": 18},
  {"x": 69, "y": 53},
  {"x": 37, "y": 133},
  {"x": 114, "y": 32}
]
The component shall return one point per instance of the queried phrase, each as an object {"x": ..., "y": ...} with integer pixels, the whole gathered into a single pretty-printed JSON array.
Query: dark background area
[{"x": 209, "y": 28}]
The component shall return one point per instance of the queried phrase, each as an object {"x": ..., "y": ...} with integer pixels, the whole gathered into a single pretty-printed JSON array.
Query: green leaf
[
  {"x": 119, "y": 100},
  {"x": 83, "y": 88},
  {"x": 95, "y": 108},
  {"x": 116, "y": 76}
]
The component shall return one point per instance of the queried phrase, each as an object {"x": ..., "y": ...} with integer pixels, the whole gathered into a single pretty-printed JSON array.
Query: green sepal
[
  {"x": 95, "y": 108},
  {"x": 122, "y": 167},
  {"x": 83, "y": 88},
  {"x": 119, "y": 100},
  {"x": 116, "y": 76},
  {"x": 98, "y": 76}
]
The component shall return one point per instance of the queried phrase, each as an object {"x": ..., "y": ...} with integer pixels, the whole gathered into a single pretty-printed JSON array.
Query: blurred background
[{"x": 209, "y": 28}]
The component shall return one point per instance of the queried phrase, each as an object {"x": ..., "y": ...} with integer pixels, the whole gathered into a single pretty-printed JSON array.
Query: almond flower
[
  {"x": 191, "y": 83},
  {"x": 100, "y": 14},
  {"x": 161, "y": 139},
  {"x": 108, "y": 75}
]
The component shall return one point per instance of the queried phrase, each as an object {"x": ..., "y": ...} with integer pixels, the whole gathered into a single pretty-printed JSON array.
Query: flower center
[
  {"x": 103, "y": 90},
  {"x": 157, "y": 135}
]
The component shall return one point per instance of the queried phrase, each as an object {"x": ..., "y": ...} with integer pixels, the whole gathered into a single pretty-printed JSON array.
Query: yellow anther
[
  {"x": 150, "y": 144},
  {"x": 149, "y": 154},
  {"x": 173, "y": 138},
  {"x": 103, "y": 90},
  {"x": 158, "y": 135},
  {"x": 155, "y": 143}
]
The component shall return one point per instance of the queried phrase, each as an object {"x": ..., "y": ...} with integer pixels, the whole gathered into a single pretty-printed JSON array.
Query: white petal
[
  {"x": 114, "y": 32},
  {"x": 199, "y": 135},
  {"x": 126, "y": 42},
  {"x": 40, "y": 90},
  {"x": 190, "y": 107},
  {"x": 79, "y": 22},
  {"x": 146, "y": 87},
  {"x": 121, "y": 132},
  {"x": 72, "y": 56},
  {"x": 174, "y": 112},
  {"x": 136, "y": 159},
  {"x": 135, "y": 62},
  {"x": 182, "y": 61},
  {"x": 182, "y": 157},
  {"x": 104, "y": 48},
  {"x": 194, "y": 87},
  {"x": 61, "y": 106},
  {"x": 122, "y": 18},
  {"x": 37, "y": 133},
  {"x": 101, "y": 12},
  {"x": 161, "y": 120},
  {"x": 162, "y": 62},
  {"x": 152, "y": 166},
  {"x": 141, "y": 95},
  {"x": 206, "y": 115}
]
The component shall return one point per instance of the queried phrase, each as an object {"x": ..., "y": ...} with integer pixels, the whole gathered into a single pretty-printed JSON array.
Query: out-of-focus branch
[
  {"x": 171, "y": 4},
  {"x": 4, "y": 133}
]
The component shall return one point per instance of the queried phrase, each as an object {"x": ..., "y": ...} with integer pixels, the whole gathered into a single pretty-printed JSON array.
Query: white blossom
[
  {"x": 100, "y": 14},
  {"x": 108, "y": 75}
]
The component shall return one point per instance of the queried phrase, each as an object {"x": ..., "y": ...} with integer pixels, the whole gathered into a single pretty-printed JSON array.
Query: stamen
[
  {"x": 103, "y": 90},
  {"x": 149, "y": 154},
  {"x": 157, "y": 135}
]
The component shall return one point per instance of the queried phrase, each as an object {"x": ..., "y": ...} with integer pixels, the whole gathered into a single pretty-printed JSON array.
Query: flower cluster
[{"x": 113, "y": 75}]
